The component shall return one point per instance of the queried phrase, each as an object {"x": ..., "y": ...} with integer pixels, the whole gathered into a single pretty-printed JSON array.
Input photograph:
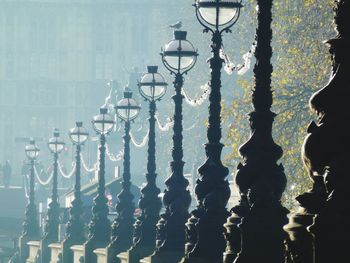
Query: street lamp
[
  {"x": 99, "y": 227},
  {"x": 127, "y": 109},
  {"x": 178, "y": 56},
  {"x": 75, "y": 225},
  {"x": 50, "y": 235},
  {"x": 205, "y": 227},
  {"x": 31, "y": 224},
  {"x": 218, "y": 15},
  {"x": 152, "y": 88}
]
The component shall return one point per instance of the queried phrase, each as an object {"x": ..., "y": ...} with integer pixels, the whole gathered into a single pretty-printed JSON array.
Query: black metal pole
[
  {"x": 122, "y": 227},
  {"x": 75, "y": 234},
  {"x": 31, "y": 224},
  {"x": 326, "y": 150},
  {"x": 205, "y": 228},
  {"x": 170, "y": 239},
  {"x": 99, "y": 226},
  {"x": 150, "y": 204},
  {"x": 260, "y": 179},
  {"x": 53, "y": 217}
]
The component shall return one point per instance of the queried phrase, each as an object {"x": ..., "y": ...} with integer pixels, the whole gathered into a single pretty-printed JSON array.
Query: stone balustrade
[
  {"x": 56, "y": 251},
  {"x": 34, "y": 250},
  {"x": 101, "y": 254},
  {"x": 78, "y": 253},
  {"x": 124, "y": 257}
]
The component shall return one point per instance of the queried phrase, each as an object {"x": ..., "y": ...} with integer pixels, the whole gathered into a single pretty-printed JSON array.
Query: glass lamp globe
[
  {"x": 31, "y": 150},
  {"x": 152, "y": 85},
  {"x": 56, "y": 143},
  {"x": 179, "y": 54},
  {"x": 218, "y": 12},
  {"x": 103, "y": 123},
  {"x": 127, "y": 108},
  {"x": 78, "y": 134}
]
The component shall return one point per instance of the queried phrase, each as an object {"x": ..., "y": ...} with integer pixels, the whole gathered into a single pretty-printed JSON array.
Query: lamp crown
[
  {"x": 79, "y": 124},
  {"x": 152, "y": 69},
  {"x": 31, "y": 141},
  {"x": 127, "y": 94},
  {"x": 56, "y": 132},
  {"x": 103, "y": 110},
  {"x": 180, "y": 35}
]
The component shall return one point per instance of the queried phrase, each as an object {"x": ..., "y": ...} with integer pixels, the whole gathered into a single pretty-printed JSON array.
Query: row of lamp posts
[{"x": 168, "y": 238}]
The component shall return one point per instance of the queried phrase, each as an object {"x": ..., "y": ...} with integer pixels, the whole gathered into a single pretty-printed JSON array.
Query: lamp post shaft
[
  {"x": 176, "y": 199},
  {"x": 77, "y": 186},
  {"x": 260, "y": 179},
  {"x": 31, "y": 224},
  {"x": 150, "y": 203},
  {"x": 177, "y": 152},
  {"x": 99, "y": 227},
  {"x": 101, "y": 179},
  {"x": 122, "y": 227},
  {"x": 205, "y": 227},
  {"x": 75, "y": 225},
  {"x": 144, "y": 239},
  {"x": 53, "y": 216},
  {"x": 31, "y": 183},
  {"x": 55, "y": 178},
  {"x": 51, "y": 228},
  {"x": 151, "y": 157},
  {"x": 214, "y": 121}
]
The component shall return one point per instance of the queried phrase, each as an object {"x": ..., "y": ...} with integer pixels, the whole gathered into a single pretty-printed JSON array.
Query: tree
[{"x": 301, "y": 66}]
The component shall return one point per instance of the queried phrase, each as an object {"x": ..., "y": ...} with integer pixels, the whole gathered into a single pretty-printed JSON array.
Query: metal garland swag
[
  {"x": 42, "y": 182},
  {"x": 164, "y": 127},
  {"x": 87, "y": 169},
  {"x": 197, "y": 102},
  {"x": 114, "y": 157},
  {"x": 143, "y": 142},
  {"x": 241, "y": 69},
  {"x": 69, "y": 175}
]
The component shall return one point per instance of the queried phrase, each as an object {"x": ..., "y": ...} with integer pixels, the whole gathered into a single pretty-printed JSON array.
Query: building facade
[{"x": 57, "y": 56}]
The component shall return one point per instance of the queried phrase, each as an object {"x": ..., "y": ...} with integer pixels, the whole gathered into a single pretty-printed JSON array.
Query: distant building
[{"x": 56, "y": 57}]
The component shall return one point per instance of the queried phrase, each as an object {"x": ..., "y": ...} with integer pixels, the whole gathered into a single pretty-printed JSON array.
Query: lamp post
[
  {"x": 50, "y": 235},
  {"x": 178, "y": 56},
  {"x": 75, "y": 233},
  {"x": 31, "y": 224},
  {"x": 127, "y": 109},
  {"x": 152, "y": 87},
  {"x": 325, "y": 154},
  {"x": 99, "y": 226},
  {"x": 260, "y": 179},
  {"x": 205, "y": 227}
]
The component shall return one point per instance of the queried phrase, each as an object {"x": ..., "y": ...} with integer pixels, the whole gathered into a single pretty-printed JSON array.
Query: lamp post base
[
  {"x": 299, "y": 242},
  {"x": 135, "y": 254},
  {"x": 67, "y": 253},
  {"x": 23, "y": 247},
  {"x": 164, "y": 256},
  {"x": 116, "y": 248},
  {"x": 45, "y": 249},
  {"x": 89, "y": 247},
  {"x": 199, "y": 260}
]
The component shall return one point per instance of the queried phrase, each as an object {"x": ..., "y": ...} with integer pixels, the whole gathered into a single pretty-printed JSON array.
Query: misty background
[{"x": 58, "y": 56}]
